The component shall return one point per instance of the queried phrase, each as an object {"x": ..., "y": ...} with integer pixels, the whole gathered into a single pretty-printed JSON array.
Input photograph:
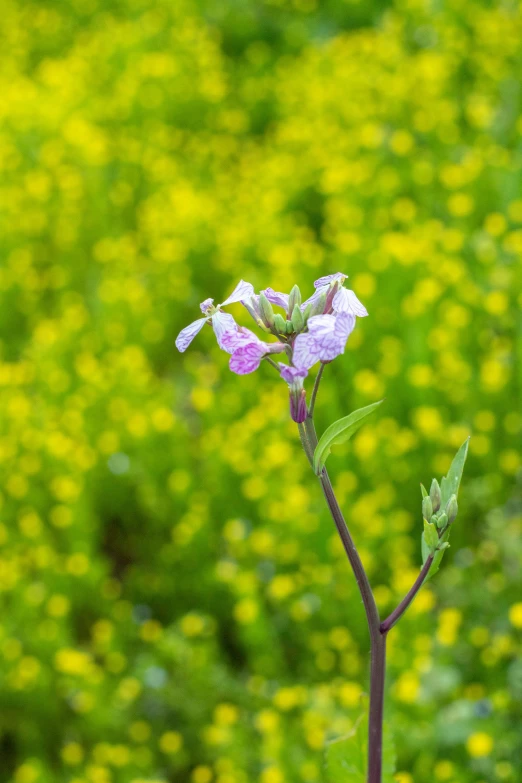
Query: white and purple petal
[
  {"x": 293, "y": 375},
  {"x": 344, "y": 326},
  {"x": 187, "y": 334},
  {"x": 306, "y": 351},
  {"x": 321, "y": 325},
  {"x": 222, "y": 323},
  {"x": 327, "y": 279},
  {"x": 206, "y": 305},
  {"x": 345, "y": 301},
  {"x": 246, "y": 358},
  {"x": 251, "y": 304},
  {"x": 277, "y": 298},
  {"x": 312, "y": 299},
  {"x": 242, "y": 290}
]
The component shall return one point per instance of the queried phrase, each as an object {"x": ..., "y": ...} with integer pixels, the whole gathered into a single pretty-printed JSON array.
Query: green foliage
[
  {"x": 339, "y": 432},
  {"x": 347, "y": 757}
]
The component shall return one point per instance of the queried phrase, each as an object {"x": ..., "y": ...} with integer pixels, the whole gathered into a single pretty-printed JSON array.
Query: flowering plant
[{"x": 316, "y": 332}]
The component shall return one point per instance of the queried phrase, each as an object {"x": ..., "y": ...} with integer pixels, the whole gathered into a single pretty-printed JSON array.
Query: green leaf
[
  {"x": 346, "y": 760},
  {"x": 426, "y": 551},
  {"x": 439, "y": 554},
  {"x": 450, "y": 484},
  {"x": 347, "y": 757},
  {"x": 339, "y": 432},
  {"x": 431, "y": 535}
]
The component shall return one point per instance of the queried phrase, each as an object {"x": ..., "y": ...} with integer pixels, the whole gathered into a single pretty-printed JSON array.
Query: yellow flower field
[{"x": 175, "y": 604}]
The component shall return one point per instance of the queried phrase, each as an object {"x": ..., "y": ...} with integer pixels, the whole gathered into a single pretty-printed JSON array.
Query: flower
[
  {"x": 340, "y": 299},
  {"x": 294, "y": 377},
  {"x": 247, "y": 350},
  {"x": 222, "y": 323},
  {"x": 326, "y": 338}
]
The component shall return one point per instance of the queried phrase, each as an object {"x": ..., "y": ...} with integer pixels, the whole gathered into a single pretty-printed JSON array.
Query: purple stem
[
  {"x": 406, "y": 601},
  {"x": 377, "y": 639}
]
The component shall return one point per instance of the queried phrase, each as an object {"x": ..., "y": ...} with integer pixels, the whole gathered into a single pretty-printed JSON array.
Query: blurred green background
[{"x": 175, "y": 605}]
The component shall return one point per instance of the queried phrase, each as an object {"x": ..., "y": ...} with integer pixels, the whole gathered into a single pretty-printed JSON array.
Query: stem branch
[
  {"x": 271, "y": 361},
  {"x": 408, "y": 598}
]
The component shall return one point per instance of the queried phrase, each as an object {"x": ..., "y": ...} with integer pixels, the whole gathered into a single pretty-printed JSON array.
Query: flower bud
[
  {"x": 319, "y": 305},
  {"x": 442, "y": 521},
  {"x": 266, "y": 310},
  {"x": 307, "y": 312},
  {"x": 294, "y": 298},
  {"x": 298, "y": 405},
  {"x": 289, "y": 327},
  {"x": 297, "y": 319},
  {"x": 435, "y": 495},
  {"x": 427, "y": 508},
  {"x": 279, "y": 323},
  {"x": 452, "y": 509}
]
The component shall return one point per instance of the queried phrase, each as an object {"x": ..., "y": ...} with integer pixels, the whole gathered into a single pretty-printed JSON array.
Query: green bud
[
  {"x": 297, "y": 319},
  {"x": 279, "y": 323},
  {"x": 443, "y": 546},
  {"x": 435, "y": 494},
  {"x": 289, "y": 327},
  {"x": 442, "y": 521},
  {"x": 306, "y": 314},
  {"x": 319, "y": 305},
  {"x": 430, "y": 535},
  {"x": 423, "y": 491},
  {"x": 452, "y": 509},
  {"x": 266, "y": 310},
  {"x": 427, "y": 508},
  {"x": 294, "y": 298}
]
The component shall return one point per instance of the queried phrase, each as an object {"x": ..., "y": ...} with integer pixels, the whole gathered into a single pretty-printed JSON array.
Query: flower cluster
[{"x": 309, "y": 332}]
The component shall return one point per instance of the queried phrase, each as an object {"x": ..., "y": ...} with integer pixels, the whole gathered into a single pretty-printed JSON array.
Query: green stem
[
  {"x": 271, "y": 361},
  {"x": 315, "y": 390},
  {"x": 306, "y": 443}
]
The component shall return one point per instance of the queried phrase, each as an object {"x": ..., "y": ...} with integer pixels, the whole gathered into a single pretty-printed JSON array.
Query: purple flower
[
  {"x": 222, "y": 323},
  {"x": 343, "y": 300},
  {"x": 247, "y": 350},
  {"x": 294, "y": 377},
  {"x": 326, "y": 338}
]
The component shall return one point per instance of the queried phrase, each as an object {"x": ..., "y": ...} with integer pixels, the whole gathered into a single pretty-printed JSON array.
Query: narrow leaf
[
  {"x": 439, "y": 554},
  {"x": 426, "y": 551},
  {"x": 339, "y": 432},
  {"x": 450, "y": 484}
]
